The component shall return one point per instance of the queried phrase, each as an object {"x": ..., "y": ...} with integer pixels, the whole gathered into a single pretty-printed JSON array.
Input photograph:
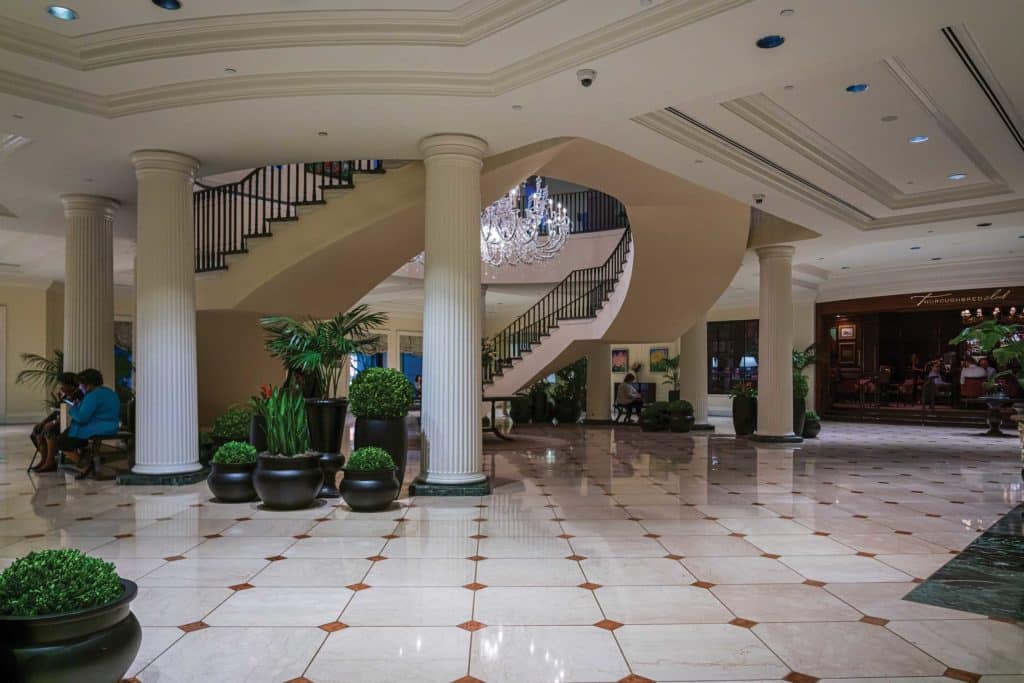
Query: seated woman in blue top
[{"x": 99, "y": 413}]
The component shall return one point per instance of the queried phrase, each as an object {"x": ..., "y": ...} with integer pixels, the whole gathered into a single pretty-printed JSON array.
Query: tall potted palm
[
  {"x": 801, "y": 387},
  {"x": 43, "y": 372},
  {"x": 671, "y": 376},
  {"x": 318, "y": 351}
]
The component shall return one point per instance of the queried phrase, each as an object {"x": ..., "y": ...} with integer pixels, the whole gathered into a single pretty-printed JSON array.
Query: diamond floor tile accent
[
  {"x": 702, "y": 584},
  {"x": 797, "y": 677},
  {"x": 743, "y": 623},
  {"x": 332, "y": 626},
  {"x": 575, "y": 558},
  {"x": 876, "y": 621},
  {"x": 475, "y": 586},
  {"x": 633, "y": 678},
  {"x": 812, "y": 582},
  {"x": 194, "y": 626},
  {"x": 241, "y": 587},
  {"x": 472, "y": 626},
  {"x": 358, "y": 587},
  {"x": 959, "y": 675},
  {"x": 589, "y": 586},
  {"x": 608, "y": 624}
]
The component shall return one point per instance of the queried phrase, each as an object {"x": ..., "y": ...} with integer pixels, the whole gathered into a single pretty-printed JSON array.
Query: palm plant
[
  {"x": 319, "y": 348},
  {"x": 43, "y": 372},
  {"x": 671, "y": 373}
]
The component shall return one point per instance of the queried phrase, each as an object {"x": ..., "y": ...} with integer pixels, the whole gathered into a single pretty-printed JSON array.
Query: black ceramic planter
[
  {"x": 95, "y": 645},
  {"x": 680, "y": 423},
  {"x": 799, "y": 414},
  {"x": 232, "y": 483},
  {"x": 744, "y": 415},
  {"x": 288, "y": 483},
  {"x": 811, "y": 429},
  {"x": 369, "y": 491},
  {"x": 388, "y": 433},
  {"x": 330, "y": 464},
  {"x": 326, "y": 419}
]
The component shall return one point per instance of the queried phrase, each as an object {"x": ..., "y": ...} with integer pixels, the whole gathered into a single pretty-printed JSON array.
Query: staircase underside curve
[{"x": 688, "y": 243}]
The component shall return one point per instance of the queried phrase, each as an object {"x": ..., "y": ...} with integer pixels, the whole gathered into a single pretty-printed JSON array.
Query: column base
[
  {"x": 702, "y": 427},
  {"x": 768, "y": 438},
  {"x": 169, "y": 479},
  {"x": 419, "y": 487}
]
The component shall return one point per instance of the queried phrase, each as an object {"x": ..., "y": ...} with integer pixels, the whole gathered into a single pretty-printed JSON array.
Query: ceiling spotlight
[
  {"x": 230, "y": 70},
  {"x": 844, "y": 267},
  {"x": 918, "y": 139},
  {"x": 167, "y": 4},
  {"x": 62, "y": 13},
  {"x": 322, "y": 133},
  {"x": 914, "y": 248},
  {"x": 957, "y": 176},
  {"x": 88, "y": 180},
  {"x": 984, "y": 225},
  {"x": 770, "y": 42},
  {"x": 787, "y": 12},
  {"x": 857, "y": 87},
  {"x": 17, "y": 116},
  {"x": 890, "y": 118},
  {"x": 788, "y": 87},
  {"x": 517, "y": 107},
  {"x": 936, "y": 258}
]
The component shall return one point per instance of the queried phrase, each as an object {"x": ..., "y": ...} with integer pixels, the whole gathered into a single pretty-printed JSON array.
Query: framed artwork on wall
[
  {"x": 659, "y": 354},
  {"x": 847, "y": 330},
  {"x": 620, "y": 360},
  {"x": 848, "y": 353}
]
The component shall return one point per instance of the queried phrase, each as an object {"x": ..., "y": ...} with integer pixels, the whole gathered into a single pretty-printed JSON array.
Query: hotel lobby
[{"x": 482, "y": 341}]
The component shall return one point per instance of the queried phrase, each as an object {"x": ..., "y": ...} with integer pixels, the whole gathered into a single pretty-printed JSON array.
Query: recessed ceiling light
[
  {"x": 230, "y": 70},
  {"x": 890, "y": 118},
  {"x": 910, "y": 182},
  {"x": 984, "y": 225},
  {"x": 787, "y": 12},
  {"x": 788, "y": 87},
  {"x": 62, "y": 13},
  {"x": 957, "y": 176},
  {"x": 770, "y": 42},
  {"x": 844, "y": 267},
  {"x": 88, "y": 180},
  {"x": 821, "y": 258},
  {"x": 322, "y": 133},
  {"x": 17, "y": 116},
  {"x": 914, "y": 248},
  {"x": 698, "y": 161},
  {"x": 918, "y": 139},
  {"x": 167, "y": 4},
  {"x": 936, "y": 258},
  {"x": 930, "y": 231},
  {"x": 517, "y": 107},
  {"x": 857, "y": 87}
]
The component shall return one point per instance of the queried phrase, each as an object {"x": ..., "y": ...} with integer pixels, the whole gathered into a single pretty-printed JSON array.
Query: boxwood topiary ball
[{"x": 380, "y": 393}]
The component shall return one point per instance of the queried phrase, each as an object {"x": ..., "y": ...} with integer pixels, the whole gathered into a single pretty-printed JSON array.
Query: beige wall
[
  {"x": 642, "y": 353},
  {"x": 25, "y": 333}
]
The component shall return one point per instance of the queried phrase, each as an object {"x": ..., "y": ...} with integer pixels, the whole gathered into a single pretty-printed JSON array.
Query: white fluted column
[
  {"x": 599, "y": 383},
  {"x": 452, "y": 439},
  {"x": 693, "y": 370},
  {"x": 166, "y": 402},
  {"x": 89, "y": 284},
  {"x": 775, "y": 345}
]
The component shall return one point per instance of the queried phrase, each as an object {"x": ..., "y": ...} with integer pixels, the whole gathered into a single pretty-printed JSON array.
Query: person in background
[
  {"x": 973, "y": 369},
  {"x": 987, "y": 367},
  {"x": 931, "y": 383},
  {"x": 44, "y": 435},
  {"x": 98, "y": 413},
  {"x": 628, "y": 396},
  {"x": 916, "y": 369},
  {"x": 418, "y": 384}
]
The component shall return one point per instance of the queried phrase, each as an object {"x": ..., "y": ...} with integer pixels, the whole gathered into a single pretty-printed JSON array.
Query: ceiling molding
[
  {"x": 468, "y": 23},
  {"x": 709, "y": 143},
  {"x": 769, "y": 117},
  {"x": 659, "y": 20}
]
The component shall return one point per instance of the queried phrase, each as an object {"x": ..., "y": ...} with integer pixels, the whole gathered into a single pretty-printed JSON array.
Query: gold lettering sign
[{"x": 935, "y": 298}]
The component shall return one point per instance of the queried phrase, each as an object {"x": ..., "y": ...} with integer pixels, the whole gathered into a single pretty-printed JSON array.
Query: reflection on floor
[
  {"x": 618, "y": 556},
  {"x": 987, "y": 577}
]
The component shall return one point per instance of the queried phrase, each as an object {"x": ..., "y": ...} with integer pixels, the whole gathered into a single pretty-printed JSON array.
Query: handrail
[
  {"x": 580, "y": 295},
  {"x": 225, "y": 216},
  {"x": 592, "y": 211}
]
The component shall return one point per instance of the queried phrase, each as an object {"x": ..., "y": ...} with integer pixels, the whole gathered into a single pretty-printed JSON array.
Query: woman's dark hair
[
  {"x": 68, "y": 378},
  {"x": 91, "y": 377},
  {"x": 630, "y": 377}
]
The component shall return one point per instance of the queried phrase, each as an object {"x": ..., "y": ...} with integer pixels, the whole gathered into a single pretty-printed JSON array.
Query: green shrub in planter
[
  {"x": 235, "y": 453},
  {"x": 380, "y": 393},
  {"x": 232, "y": 425},
  {"x": 369, "y": 459},
  {"x": 681, "y": 407},
  {"x": 655, "y": 416},
  {"x": 57, "y": 582},
  {"x": 811, "y": 415}
]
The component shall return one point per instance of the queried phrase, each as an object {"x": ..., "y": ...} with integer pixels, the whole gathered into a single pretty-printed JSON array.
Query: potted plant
[
  {"x": 380, "y": 399},
  {"x": 680, "y": 416},
  {"x": 315, "y": 353},
  {"x": 287, "y": 477},
  {"x": 231, "y": 425},
  {"x": 801, "y": 361},
  {"x": 812, "y": 425},
  {"x": 654, "y": 417},
  {"x": 744, "y": 407},
  {"x": 671, "y": 376},
  {"x": 231, "y": 469},
  {"x": 258, "y": 423},
  {"x": 369, "y": 483},
  {"x": 569, "y": 391},
  {"x": 65, "y": 618},
  {"x": 43, "y": 372}
]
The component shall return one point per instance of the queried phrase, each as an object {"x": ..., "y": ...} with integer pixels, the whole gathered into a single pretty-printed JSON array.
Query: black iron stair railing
[
  {"x": 579, "y": 296},
  {"x": 227, "y": 215}
]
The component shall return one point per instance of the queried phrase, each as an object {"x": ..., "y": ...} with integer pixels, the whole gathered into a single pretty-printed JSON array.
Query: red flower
[{"x": 265, "y": 391}]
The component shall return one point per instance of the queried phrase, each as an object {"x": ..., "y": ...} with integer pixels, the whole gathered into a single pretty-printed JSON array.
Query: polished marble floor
[{"x": 602, "y": 555}]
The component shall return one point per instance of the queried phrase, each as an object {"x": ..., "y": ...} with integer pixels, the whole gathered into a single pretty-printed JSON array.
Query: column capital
[
  {"x": 775, "y": 251},
  {"x": 88, "y": 204},
  {"x": 146, "y": 160},
  {"x": 455, "y": 144}
]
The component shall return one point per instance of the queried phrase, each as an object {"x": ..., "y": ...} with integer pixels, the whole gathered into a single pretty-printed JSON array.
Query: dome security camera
[{"x": 586, "y": 77}]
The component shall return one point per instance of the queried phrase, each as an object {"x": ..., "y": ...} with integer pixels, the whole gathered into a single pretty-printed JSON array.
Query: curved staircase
[{"x": 578, "y": 309}]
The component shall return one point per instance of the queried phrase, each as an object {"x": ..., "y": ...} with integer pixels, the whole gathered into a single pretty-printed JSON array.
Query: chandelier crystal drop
[{"x": 523, "y": 227}]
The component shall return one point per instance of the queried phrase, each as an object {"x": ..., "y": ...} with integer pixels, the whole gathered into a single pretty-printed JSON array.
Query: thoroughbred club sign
[{"x": 959, "y": 298}]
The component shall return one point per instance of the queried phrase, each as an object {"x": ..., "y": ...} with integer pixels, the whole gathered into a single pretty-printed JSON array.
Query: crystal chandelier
[{"x": 523, "y": 227}]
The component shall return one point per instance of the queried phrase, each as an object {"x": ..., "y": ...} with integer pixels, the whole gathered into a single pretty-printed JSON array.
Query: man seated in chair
[
  {"x": 628, "y": 397},
  {"x": 44, "y": 435},
  {"x": 98, "y": 414}
]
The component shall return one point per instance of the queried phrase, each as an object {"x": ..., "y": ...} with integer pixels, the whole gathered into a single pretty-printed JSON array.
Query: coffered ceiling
[{"x": 680, "y": 85}]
